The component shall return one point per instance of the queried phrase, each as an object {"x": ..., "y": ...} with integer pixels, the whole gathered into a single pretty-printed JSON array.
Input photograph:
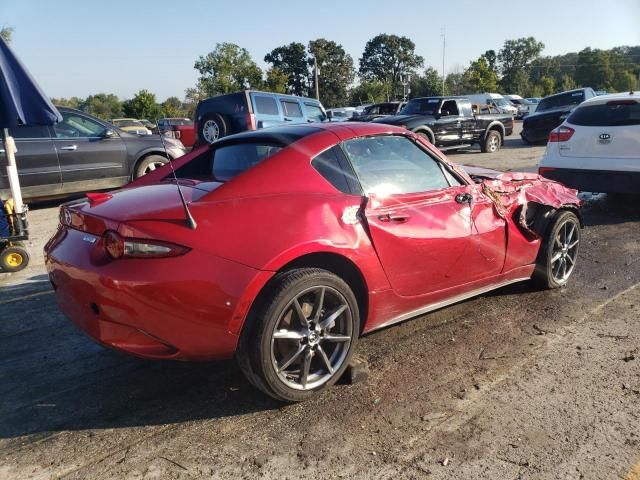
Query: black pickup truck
[{"x": 449, "y": 123}]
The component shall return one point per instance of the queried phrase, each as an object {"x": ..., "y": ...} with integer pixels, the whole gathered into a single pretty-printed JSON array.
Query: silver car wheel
[
  {"x": 311, "y": 339},
  {"x": 565, "y": 251},
  {"x": 152, "y": 166},
  {"x": 493, "y": 144},
  {"x": 210, "y": 131}
]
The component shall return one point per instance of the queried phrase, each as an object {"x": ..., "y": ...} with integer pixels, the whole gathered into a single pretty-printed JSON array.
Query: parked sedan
[
  {"x": 82, "y": 153},
  {"x": 304, "y": 238},
  {"x": 131, "y": 125},
  {"x": 597, "y": 148}
]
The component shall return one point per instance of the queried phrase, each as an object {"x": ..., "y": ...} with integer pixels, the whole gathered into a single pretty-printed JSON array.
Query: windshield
[
  {"x": 421, "y": 106},
  {"x": 232, "y": 160},
  {"x": 501, "y": 102},
  {"x": 180, "y": 121},
  {"x": 568, "y": 99}
]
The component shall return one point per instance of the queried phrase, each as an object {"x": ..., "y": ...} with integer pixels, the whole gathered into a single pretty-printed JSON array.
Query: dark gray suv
[{"x": 82, "y": 153}]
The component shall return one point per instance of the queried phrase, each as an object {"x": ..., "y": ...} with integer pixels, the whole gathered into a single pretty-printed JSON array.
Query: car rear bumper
[
  {"x": 189, "y": 308},
  {"x": 601, "y": 181}
]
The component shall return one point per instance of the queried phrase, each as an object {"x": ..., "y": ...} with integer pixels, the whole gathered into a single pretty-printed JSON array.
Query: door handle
[
  {"x": 288, "y": 120},
  {"x": 393, "y": 217},
  {"x": 69, "y": 148}
]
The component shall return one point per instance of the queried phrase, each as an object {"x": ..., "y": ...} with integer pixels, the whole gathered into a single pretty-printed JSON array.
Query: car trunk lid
[{"x": 156, "y": 202}]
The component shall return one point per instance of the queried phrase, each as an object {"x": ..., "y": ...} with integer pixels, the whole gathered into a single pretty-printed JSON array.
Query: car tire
[
  {"x": 426, "y": 136},
  {"x": 212, "y": 128},
  {"x": 559, "y": 251},
  {"x": 292, "y": 353},
  {"x": 150, "y": 163},
  {"x": 491, "y": 142},
  {"x": 14, "y": 259}
]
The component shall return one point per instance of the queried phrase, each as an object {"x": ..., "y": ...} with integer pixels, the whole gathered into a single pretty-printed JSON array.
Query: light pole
[
  {"x": 316, "y": 74},
  {"x": 405, "y": 79}
]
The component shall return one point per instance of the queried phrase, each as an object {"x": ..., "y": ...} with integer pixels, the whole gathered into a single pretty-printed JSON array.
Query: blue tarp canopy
[{"x": 22, "y": 102}]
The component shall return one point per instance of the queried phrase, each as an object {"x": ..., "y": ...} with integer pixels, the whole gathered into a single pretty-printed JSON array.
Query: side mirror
[
  {"x": 108, "y": 133},
  {"x": 329, "y": 115}
]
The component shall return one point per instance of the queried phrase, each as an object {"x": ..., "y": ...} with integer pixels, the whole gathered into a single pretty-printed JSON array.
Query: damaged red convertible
[{"x": 303, "y": 239}]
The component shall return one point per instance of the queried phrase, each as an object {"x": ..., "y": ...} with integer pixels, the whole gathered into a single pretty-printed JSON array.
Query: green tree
[
  {"x": 293, "y": 61},
  {"x": 594, "y": 70},
  {"x": 73, "y": 102},
  {"x": 479, "y": 77},
  {"x": 624, "y": 80},
  {"x": 191, "y": 98},
  {"x": 372, "y": 91},
  {"x": 6, "y": 33},
  {"x": 426, "y": 85},
  {"x": 173, "y": 107},
  {"x": 516, "y": 57},
  {"x": 276, "y": 81},
  {"x": 386, "y": 57},
  {"x": 454, "y": 83},
  {"x": 491, "y": 58},
  {"x": 336, "y": 71},
  {"x": 543, "y": 87},
  {"x": 228, "y": 68},
  {"x": 102, "y": 105},
  {"x": 142, "y": 105}
]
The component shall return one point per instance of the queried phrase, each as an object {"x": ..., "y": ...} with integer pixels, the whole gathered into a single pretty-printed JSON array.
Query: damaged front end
[{"x": 530, "y": 200}]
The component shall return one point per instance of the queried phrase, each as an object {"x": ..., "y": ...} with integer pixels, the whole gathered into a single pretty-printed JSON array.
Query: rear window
[
  {"x": 563, "y": 100},
  {"x": 612, "y": 114},
  {"x": 266, "y": 105},
  {"x": 231, "y": 160}
]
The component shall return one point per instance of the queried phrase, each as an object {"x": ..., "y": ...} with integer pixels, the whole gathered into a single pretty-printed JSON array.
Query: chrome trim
[
  {"x": 446, "y": 303},
  {"x": 88, "y": 168}
]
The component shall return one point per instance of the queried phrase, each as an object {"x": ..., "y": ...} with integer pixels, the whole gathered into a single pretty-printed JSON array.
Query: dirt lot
[{"x": 516, "y": 384}]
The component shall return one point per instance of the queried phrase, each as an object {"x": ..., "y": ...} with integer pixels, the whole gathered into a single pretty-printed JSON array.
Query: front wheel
[
  {"x": 213, "y": 128},
  {"x": 559, "y": 251},
  {"x": 150, "y": 163},
  {"x": 300, "y": 340},
  {"x": 491, "y": 143}
]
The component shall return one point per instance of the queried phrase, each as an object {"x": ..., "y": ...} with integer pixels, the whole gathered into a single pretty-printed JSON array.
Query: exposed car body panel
[{"x": 275, "y": 213}]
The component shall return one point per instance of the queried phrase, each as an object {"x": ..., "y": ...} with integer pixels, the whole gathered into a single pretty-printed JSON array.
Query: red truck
[{"x": 179, "y": 128}]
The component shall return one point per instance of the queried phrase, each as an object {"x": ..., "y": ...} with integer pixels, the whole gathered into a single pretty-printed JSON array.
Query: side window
[
  {"x": 23, "y": 133},
  {"x": 78, "y": 126},
  {"x": 450, "y": 107},
  {"x": 328, "y": 165},
  {"x": 392, "y": 165},
  {"x": 291, "y": 109},
  {"x": 266, "y": 105},
  {"x": 314, "y": 112}
]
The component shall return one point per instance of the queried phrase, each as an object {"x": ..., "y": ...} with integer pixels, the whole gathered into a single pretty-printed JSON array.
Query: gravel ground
[{"x": 516, "y": 384}]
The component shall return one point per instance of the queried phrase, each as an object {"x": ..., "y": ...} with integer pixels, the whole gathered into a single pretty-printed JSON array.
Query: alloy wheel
[
  {"x": 311, "y": 338},
  {"x": 152, "y": 166},
  {"x": 565, "y": 251},
  {"x": 493, "y": 144},
  {"x": 210, "y": 131}
]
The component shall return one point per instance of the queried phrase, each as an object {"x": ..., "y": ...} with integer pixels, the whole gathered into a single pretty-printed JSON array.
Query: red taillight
[
  {"x": 251, "y": 121},
  {"x": 114, "y": 244},
  {"x": 118, "y": 246},
  {"x": 177, "y": 133},
  {"x": 543, "y": 170},
  {"x": 561, "y": 134}
]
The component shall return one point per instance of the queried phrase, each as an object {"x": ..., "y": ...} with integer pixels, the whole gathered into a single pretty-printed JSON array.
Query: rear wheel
[
  {"x": 559, "y": 251},
  {"x": 213, "y": 128},
  {"x": 149, "y": 164},
  {"x": 491, "y": 143},
  {"x": 300, "y": 340},
  {"x": 426, "y": 136},
  {"x": 14, "y": 259}
]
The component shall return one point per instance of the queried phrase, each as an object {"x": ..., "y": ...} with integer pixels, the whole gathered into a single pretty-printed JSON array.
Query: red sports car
[{"x": 305, "y": 237}]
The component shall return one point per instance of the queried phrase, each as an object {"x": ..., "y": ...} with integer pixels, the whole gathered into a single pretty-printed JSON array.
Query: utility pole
[
  {"x": 316, "y": 73},
  {"x": 444, "y": 40}
]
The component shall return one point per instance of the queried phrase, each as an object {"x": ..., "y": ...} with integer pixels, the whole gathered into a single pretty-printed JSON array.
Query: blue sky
[{"x": 78, "y": 47}]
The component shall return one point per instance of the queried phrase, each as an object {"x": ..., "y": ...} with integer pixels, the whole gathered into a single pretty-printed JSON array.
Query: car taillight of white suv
[{"x": 597, "y": 148}]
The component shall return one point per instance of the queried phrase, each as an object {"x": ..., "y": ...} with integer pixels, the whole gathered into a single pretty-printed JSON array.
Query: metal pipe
[{"x": 12, "y": 171}]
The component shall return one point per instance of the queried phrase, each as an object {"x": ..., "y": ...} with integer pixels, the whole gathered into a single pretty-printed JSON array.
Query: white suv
[{"x": 597, "y": 148}]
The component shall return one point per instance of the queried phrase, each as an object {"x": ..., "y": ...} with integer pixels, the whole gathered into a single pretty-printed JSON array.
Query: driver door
[
  {"x": 88, "y": 159},
  {"x": 448, "y": 127},
  {"x": 431, "y": 230}
]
